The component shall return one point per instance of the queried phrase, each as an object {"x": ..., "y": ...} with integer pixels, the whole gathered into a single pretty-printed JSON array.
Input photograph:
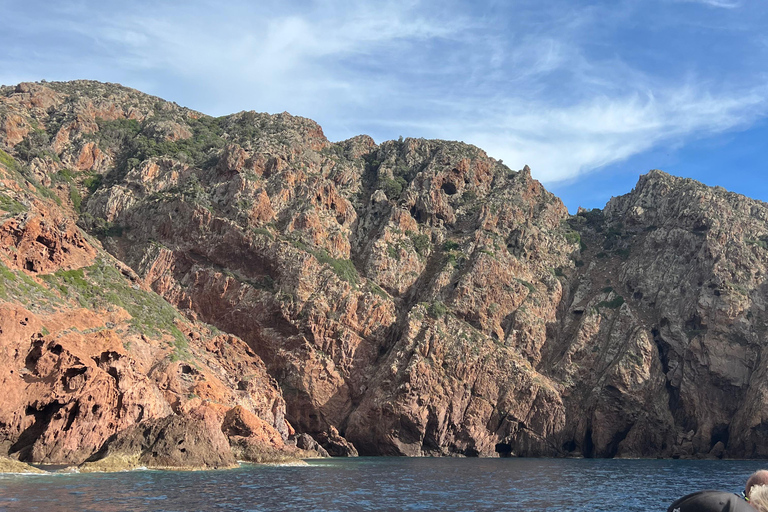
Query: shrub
[
  {"x": 573, "y": 237},
  {"x": 393, "y": 188},
  {"x": 344, "y": 269},
  {"x": 468, "y": 196},
  {"x": 377, "y": 290},
  {"x": 63, "y": 176},
  {"x": 74, "y": 196},
  {"x": 437, "y": 309},
  {"x": 593, "y": 216},
  {"x": 11, "y": 206},
  {"x": 616, "y": 302},
  {"x": 92, "y": 183},
  {"x": 420, "y": 242},
  {"x": 7, "y": 160},
  {"x": 35, "y": 146},
  {"x": 450, "y": 245}
]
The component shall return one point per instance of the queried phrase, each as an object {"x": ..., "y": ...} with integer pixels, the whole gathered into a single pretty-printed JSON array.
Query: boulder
[{"x": 335, "y": 444}]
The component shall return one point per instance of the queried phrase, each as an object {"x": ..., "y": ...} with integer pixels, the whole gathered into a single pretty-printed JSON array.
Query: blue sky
[{"x": 590, "y": 94}]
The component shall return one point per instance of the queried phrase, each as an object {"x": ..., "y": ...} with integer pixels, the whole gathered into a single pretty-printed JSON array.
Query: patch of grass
[
  {"x": 528, "y": 285},
  {"x": 615, "y": 303},
  {"x": 6, "y": 273},
  {"x": 10, "y": 205},
  {"x": 92, "y": 183},
  {"x": 421, "y": 242},
  {"x": 16, "y": 285},
  {"x": 263, "y": 231},
  {"x": 42, "y": 190},
  {"x": 101, "y": 285},
  {"x": 24, "y": 176},
  {"x": 437, "y": 309},
  {"x": 573, "y": 237},
  {"x": 344, "y": 269},
  {"x": 63, "y": 176},
  {"x": 450, "y": 245},
  {"x": 7, "y": 160},
  {"x": 377, "y": 290},
  {"x": 74, "y": 196}
]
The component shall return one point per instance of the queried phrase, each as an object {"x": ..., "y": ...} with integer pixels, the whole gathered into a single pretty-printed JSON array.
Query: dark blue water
[{"x": 385, "y": 484}]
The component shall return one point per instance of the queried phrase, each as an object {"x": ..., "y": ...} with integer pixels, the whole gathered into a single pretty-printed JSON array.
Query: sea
[{"x": 384, "y": 484}]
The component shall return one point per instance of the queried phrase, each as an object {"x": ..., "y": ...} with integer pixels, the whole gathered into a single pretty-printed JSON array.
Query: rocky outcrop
[
  {"x": 307, "y": 443},
  {"x": 194, "y": 441},
  {"x": 8, "y": 465},
  {"x": 335, "y": 445},
  {"x": 86, "y": 352},
  {"x": 664, "y": 323},
  {"x": 414, "y": 297}
]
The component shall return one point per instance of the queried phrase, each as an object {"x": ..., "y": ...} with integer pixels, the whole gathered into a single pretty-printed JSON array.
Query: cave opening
[{"x": 449, "y": 188}]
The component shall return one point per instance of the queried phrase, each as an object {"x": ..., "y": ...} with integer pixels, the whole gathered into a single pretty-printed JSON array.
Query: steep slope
[
  {"x": 87, "y": 350},
  {"x": 416, "y": 295},
  {"x": 672, "y": 303}
]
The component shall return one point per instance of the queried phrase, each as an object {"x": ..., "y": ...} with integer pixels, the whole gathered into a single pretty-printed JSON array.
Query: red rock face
[
  {"x": 410, "y": 298},
  {"x": 87, "y": 353},
  {"x": 38, "y": 243},
  {"x": 70, "y": 392}
]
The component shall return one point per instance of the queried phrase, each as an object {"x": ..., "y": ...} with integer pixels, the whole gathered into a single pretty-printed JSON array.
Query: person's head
[
  {"x": 758, "y": 497},
  {"x": 759, "y": 477}
]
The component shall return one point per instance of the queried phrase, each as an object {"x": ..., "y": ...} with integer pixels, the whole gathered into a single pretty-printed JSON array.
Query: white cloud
[
  {"x": 546, "y": 87},
  {"x": 726, "y": 4},
  {"x": 563, "y": 143}
]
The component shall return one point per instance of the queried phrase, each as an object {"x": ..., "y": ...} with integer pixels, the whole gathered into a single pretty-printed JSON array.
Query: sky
[{"x": 589, "y": 94}]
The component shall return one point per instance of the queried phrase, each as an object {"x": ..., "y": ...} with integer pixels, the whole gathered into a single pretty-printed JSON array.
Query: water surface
[{"x": 384, "y": 483}]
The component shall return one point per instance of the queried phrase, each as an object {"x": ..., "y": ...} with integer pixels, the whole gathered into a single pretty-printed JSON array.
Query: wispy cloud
[
  {"x": 726, "y": 4},
  {"x": 566, "y": 88},
  {"x": 594, "y": 134}
]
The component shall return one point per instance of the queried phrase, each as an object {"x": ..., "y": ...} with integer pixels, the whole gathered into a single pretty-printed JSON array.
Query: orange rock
[{"x": 15, "y": 128}]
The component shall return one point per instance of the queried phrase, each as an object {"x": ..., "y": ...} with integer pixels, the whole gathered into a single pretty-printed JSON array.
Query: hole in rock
[
  {"x": 504, "y": 449},
  {"x": 449, "y": 188}
]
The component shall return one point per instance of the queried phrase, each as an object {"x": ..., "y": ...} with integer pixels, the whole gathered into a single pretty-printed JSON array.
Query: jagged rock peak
[{"x": 414, "y": 297}]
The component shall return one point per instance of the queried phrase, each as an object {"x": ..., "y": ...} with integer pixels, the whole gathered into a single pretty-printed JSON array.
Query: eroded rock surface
[
  {"x": 414, "y": 297},
  {"x": 193, "y": 440}
]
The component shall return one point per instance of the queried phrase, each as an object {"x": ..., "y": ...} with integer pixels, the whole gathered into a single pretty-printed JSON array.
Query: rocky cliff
[{"x": 243, "y": 274}]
